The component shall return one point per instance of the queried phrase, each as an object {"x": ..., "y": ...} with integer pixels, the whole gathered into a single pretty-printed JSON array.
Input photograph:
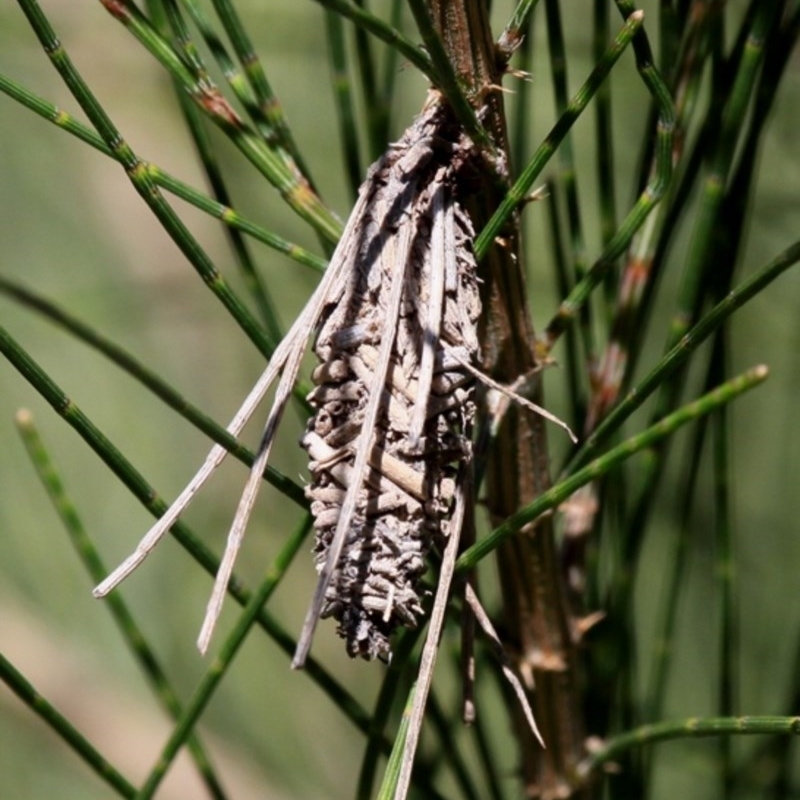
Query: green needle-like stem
[
  {"x": 680, "y": 352},
  {"x": 224, "y": 213},
  {"x": 23, "y": 688},
  {"x": 140, "y": 177},
  {"x": 134, "y": 636},
  {"x": 521, "y": 188},
  {"x": 221, "y": 663},
  {"x": 687, "y": 729},
  {"x": 553, "y": 497}
]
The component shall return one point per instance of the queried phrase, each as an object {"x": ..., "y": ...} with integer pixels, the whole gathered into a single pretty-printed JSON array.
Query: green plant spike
[
  {"x": 567, "y": 171},
  {"x": 270, "y": 108},
  {"x": 132, "y": 634},
  {"x": 234, "y": 77},
  {"x": 519, "y": 113},
  {"x": 253, "y": 281},
  {"x": 387, "y": 695},
  {"x": 345, "y": 103},
  {"x": 725, "y": 571},
  {"x": 141, "y": 180},
  {"x": 488, "y": 758},
  {"x": 390, "y": 71},
  {"x": 675, "y": 563},
  {"x": 392, "y": 774},
  {"x": 152, "y": 381},
  {"x": 224, "y": 213},
  {"x": 520, "y": 190},
  {"x": 221, "y": 663},
  {"x": 151, "y": 499},
  {"x": 23, "y": 689},
  {"x": 386, "y": 33},
  {"x": 606, "y": 174},
  {"x": 294, "y": 190},
  {"x": 515, "y": 28},
  {"x": 721, "y": 161},
  {"x": 731, "y": 205},
  {"x": 553, "y": 497},
  {"x": 680, "y": 352},
  {"x": 648, "y": 199},
  {"x": 447, "y": 749},
  {"x": 374, "y": 101},
  {"x": 271, "y": 127},
  {"x": 574, "y": 364},
  {"x": 686, "y": 729},
  {"x": 205, "y": 149}
]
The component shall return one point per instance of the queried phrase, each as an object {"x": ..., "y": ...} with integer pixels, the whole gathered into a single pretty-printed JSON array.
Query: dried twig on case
[
  {"x": 394, "y": 401},
  {"x": 393, "y": 407}
]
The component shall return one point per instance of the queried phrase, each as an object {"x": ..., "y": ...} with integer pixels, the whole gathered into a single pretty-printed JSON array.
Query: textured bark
[{"x": 536, "y": 621}]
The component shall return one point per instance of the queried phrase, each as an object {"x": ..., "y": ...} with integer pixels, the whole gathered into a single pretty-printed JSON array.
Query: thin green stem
[
  {"x": 515, "y": 29},
  {"x": 383, "y": 31},
  {"x": 574, "y": 365},
  {"x": 390, "y": 72},
  {"x": 380, "y": 714},
  {"x": 222, "y": 662},
  {"x": 286, "y": 178},
  {"x": 652, "y": 193},
  {"x": 679, "y": 353},
  {"x": 553, "y": 497},
  {"x": 392, "y": 774},
  {"x": 132, "y": 634},
  {"x": 674, "y": 565},
  {"x": 225, "y": 214},
  {"x": 725, "y": 566},
  {"x": 136, "y": 369},
  {"x": 205, "y": 150},
  {"x": 343, "y": 96},
  {"x": 606, "y": 181},
  {"x": 567, "y": 172},
  {"x": 447, "y": 749},
  {"x": 521, "y": 188},
  {"x": 269, "y": 106},
  {"x": 58, "y": 723},
  {"x": 687, "y": 729},
  {"x": 153, "y": 502},
  {"x": 376, "y": 107},
  {"x": 141, "y": 179},
  {"x": 520, "y": 113},
  {"x": 719, "y": 166}
]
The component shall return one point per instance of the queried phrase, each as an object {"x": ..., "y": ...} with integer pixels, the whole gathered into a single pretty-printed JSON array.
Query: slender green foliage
[{"x": 708, "y": 90}]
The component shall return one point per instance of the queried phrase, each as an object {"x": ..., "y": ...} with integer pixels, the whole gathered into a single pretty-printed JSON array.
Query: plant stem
[
  {"x": 600, "y": 466},
  {"x": 538, "y": 634},
  {"x": 134, "y": 636},
  {"x": 21, "y": 687},
  {"x": 688, "y": 728}
]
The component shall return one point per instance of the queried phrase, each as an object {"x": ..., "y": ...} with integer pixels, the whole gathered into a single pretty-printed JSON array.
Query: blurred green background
[{"x": 73, "y": 229}]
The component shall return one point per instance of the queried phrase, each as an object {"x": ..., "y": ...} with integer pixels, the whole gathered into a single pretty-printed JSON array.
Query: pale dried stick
[
  {"x": 296, "y": 339},
  {"x": 510, "y": 394},
  {"x": 248, "y": 498},
  {"x": 400, "y": 258},
  {"x": 486, "y": 625},
  {"x": 431, "y": 648},
  {"x": 442, "y": 237},
  {"x": 170, "y": 516}
]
